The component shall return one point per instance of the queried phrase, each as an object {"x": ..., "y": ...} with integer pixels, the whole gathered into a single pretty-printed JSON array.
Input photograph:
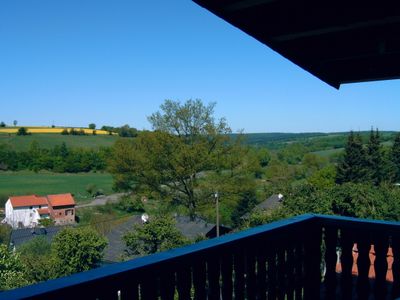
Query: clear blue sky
[{"x": 114, "y": 62}]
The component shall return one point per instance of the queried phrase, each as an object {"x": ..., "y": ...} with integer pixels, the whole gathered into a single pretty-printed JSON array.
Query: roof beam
[
  {"x": 335, "y": 29},
  {"x": 246, "y": 4}
]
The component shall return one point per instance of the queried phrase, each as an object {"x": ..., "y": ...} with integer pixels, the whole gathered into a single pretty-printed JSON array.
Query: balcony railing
[{"x": 296, "y": 258}]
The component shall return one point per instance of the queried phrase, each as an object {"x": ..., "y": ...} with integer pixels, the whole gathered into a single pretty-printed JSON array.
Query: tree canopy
[
  {"x": 353, "y": 166},
  {"x": 77, "y": 249},
  {"x": 159, "y": 234},
  {"x": 187, "y": 141}
]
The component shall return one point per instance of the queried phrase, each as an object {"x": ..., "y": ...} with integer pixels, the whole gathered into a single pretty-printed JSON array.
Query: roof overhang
[{"x": 339, "y": 41}]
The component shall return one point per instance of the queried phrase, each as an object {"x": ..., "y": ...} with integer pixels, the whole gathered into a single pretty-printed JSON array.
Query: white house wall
[{"x": 27, "y": 216}]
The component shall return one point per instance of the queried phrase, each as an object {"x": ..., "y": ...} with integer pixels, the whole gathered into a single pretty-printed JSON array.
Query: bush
[
  {"x": 22, "y": 131},
  {"x": 65, "y": 131},
  {"x": 130, "y": 204},
  {"x": 5, "y": 233},
  {"x": 46, "y": 222}
]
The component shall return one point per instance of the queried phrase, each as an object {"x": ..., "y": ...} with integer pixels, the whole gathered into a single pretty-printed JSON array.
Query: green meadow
[
  {"x": 44, "y": 183},
  {"x": 49, "y": 140}
]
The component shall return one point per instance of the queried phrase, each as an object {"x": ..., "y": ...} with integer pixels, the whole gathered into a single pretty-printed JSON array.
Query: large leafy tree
[
  {"x": 12, "y": 271},
  {"x": 77, "y": 249},
  {"x": 353, "y": 166},
  {"x": 159, "y": 234},
  {"x": 187, "y": 140},
  {"x": 374, "y": 159},
  {"x": 395, "y": 158},
  {"x": 36, "y": 256}
]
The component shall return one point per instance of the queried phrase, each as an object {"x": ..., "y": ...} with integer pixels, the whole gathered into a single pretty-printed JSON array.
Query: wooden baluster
[
  {"x": 239, "y": 283},
  {"x": 331, "y": 235},
  {"x": 261, "y": 278},
  {"x": 281, "y": 268},
  {"x": 148, "y": 288},
  {"x": 184, "y": 283},
  {"x": 101, "y": 290},
  {"x": 213, "y": 274},
  {"x": 299, "y": 269},
  {"x": 271, "y": 274},
  {"x": 396, "y": 266},
  {"x": 167, "y": 285},
  {"x": 251, "y": 272},
  {"x": 130, "y": 290},
  {"x": 363, "y": 265},
  {"x": 226, "y": 274},
  {"x": 290, "y": 272},
  {"x": 381, "y": 245},
  {"x": 346, "y": 244},
  {"x": 199, "y": 279},
  {"x": 312, "y": 267}
]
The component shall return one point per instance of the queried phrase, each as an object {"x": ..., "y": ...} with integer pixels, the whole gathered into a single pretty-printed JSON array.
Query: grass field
[
  {"x": 47, "y": 140},
  {"x": 44, "y": 183},
  {"x": 329, "y": 152}
]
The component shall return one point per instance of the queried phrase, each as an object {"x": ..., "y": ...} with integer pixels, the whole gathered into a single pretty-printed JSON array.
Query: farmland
[
  {"x": 42, "y": 183},
  {"x": 34, "y": 129},
  {"x": 47, "y": 140}
]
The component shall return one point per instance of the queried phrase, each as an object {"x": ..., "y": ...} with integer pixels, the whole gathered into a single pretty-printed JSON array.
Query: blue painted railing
[{"x": 296, "y": 258}]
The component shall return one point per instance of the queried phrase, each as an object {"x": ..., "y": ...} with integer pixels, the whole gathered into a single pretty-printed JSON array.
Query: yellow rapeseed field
[{"x": 49, "y": 130}]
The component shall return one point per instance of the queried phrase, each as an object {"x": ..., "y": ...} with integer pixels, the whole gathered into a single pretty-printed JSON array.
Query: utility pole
[{"x": 217, "y": 208}]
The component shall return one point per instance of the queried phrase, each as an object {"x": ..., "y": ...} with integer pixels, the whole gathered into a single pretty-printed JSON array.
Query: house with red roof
[
  {"x": 26, "y": 211},
  {"x": 62, "y": 208}
]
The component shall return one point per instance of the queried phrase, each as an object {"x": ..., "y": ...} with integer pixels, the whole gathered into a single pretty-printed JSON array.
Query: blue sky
[{"x": 114, "y": 62}]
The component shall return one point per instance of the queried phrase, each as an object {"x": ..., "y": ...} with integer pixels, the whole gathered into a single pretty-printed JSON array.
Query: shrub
[
  {"x": 22, "y": 131},
  {"x": 130, "y": 204}
]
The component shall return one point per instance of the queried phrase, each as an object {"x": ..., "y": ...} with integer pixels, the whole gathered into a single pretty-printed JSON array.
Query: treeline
[
  {"x": 60, "y": 159},
  {"x": 360, "y": 200},
  {"x": 312, "y": 141},
  {"x": 123, "y": 131},
  {"x": 363, "y": 184},
  {"x": 370, "y": 163}
]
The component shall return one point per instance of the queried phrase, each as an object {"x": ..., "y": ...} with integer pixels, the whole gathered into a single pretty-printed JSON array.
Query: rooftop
[
  {"x": 61, "y": 200},
  {"x": 29, "y": 200}
]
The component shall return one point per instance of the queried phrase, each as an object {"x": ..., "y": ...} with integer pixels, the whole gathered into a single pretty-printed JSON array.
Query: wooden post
[{"x": 217, "y": 208}]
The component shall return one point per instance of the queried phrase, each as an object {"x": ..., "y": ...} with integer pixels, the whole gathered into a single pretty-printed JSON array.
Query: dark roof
[
  {"x": 270, "y": 203},
  {"x": 116, "y": 247},
  {"x": 199, "y": 227},
  {"x": 222, "y": 230},
  {"x": 21, "y": 236},
  {"x": 338, "y": 41},
  {"x": 193, "y": 229}
]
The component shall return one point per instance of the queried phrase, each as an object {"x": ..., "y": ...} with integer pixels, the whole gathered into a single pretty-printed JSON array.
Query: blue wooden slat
[
  {"x": 272, "y": 236},
  {"x": 135, "y": 266}
]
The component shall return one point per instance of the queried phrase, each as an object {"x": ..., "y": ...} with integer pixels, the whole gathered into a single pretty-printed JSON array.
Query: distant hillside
[{"x": 316, "y": 141}]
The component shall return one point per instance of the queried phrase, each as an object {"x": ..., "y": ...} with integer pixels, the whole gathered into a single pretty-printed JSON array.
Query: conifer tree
[
  {"x": 374, "y": 159},
  {"x": 395, "y": 157},
  {"x": 352, "y": 168}
]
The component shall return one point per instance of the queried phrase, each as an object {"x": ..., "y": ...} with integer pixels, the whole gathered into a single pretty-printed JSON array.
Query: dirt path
[{"x": 102, "y": 200}]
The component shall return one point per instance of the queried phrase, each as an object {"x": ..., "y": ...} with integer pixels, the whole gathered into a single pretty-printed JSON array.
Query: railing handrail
[
  {"x": 179, "y": 255},
  {"x": 147, "y": 261},
  {"x": 389, "y": 227}
]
